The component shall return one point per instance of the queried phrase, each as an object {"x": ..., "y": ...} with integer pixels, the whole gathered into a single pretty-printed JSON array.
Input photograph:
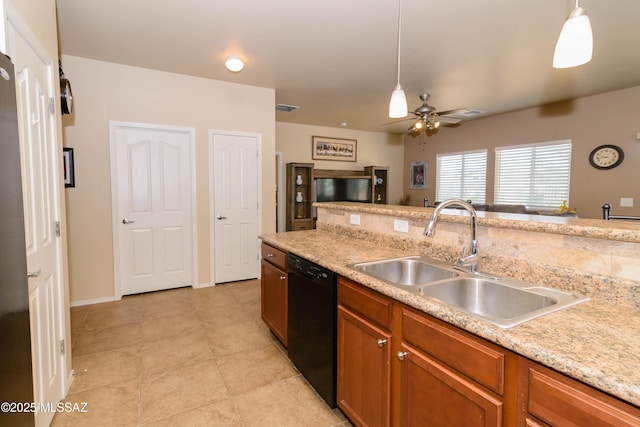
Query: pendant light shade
[
  {"x": 575, "y": 44},
  {"x": 398, "y": 103}
]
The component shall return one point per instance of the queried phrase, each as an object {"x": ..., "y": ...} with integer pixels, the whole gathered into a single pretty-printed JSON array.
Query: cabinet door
[
  {"x": 364, "y": 371},
  {"x": 274, "y": 300},
  {"x": 432, "y": 395}
]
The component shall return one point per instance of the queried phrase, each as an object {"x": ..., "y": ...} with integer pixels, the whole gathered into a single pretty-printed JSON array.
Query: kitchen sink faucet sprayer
[{"x": 472, "y": 260}]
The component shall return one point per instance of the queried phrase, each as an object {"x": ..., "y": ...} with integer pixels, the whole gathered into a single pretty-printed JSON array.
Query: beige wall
[
  {"x": 40, "y": 16},
  {"x": 106, "y": 91},
  {"x": 610, "y": 118},
  {"x": 373, "y": 149}
]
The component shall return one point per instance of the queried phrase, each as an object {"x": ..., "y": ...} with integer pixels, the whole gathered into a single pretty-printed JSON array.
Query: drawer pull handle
[
  {"x": 402, "y": 355},
  {"x": 381, "y": 342},
  {"x": 270, "y": 255},
  {"x": 283, "y": 277}
]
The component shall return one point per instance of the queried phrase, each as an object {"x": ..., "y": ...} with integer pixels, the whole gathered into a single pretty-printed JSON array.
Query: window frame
[
  {"x": 537, "y": 185},
  {"x": 462, "y": 194}
]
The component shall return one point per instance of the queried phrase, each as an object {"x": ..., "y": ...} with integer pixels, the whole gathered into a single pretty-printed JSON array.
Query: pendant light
[
  {"x": 575, "y": 44},
  {"x": 398, "y": 103}
]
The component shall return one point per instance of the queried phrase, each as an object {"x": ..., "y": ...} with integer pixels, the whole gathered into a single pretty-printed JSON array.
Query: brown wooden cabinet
[
  {"x": 299, "y": 196},
  {"x": 379, "y": 183},
  {"x": 448, "y": 378},
  {"x": 549, "y": 398},
  {"x": 364, "y": 355},
  {"x": 399, "y": 366},
  {"x": 434, "y": 395},
  {"x": 274, "y": 291}
]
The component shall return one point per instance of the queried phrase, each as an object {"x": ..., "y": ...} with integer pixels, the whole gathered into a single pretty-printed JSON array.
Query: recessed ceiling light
[{"x": 234, "y": 64}]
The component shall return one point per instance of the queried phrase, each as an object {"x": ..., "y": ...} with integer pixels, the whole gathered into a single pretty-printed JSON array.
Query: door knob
[
  {"x": 381, "y": 342},
  {"x": 33, "y": 274},
  {"x": 402, "y": 355},
  {"x": 220, "y": 217},
  {"x": 126, "y": 221}
]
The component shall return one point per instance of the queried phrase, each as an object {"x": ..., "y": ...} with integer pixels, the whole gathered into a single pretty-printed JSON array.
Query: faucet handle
[{"x": 464, "y": 252}]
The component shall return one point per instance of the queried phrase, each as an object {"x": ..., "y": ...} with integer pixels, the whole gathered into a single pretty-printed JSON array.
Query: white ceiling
[{"x": 336, "y": 59}]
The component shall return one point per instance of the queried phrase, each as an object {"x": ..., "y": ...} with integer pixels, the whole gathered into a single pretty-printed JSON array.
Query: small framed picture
[
  {"x": 324, "y": 148},
  {"x": 69, "y": 173},
  {"x": 418, "y": 178}
]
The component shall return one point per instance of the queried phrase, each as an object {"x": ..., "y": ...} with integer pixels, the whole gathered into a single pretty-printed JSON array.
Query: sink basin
[
  {"x": 505, "y": 304},
  {"x": 409, "y": 271}
]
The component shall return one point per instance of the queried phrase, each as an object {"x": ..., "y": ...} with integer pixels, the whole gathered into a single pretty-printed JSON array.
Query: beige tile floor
[{"x": 187, "y": 357}]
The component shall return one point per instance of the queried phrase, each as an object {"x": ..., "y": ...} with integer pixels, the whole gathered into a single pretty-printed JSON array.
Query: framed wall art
[
  {"x": 69, "y": 172},
  {"x": 325, "y": 148},
  {"x": 418, "y": 178}
]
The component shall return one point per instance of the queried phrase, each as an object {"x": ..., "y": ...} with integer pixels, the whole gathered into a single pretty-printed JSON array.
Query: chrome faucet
[{"x": 471, "y": 260}]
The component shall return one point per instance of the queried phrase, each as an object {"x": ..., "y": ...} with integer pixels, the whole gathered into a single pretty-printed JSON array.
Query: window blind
[
  {"x": 462, "y": 176},
  {"x": 535, "y": 175}
]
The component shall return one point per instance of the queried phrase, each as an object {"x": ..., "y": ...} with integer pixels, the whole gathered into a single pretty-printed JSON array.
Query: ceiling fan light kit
[
  {"x": 398, "y": 104},
  {"x": 575, "y": 43}
]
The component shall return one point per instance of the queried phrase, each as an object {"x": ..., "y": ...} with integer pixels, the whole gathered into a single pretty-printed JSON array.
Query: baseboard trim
[
  {"x": 203, "y": 285},
  {"x": 91, "y": 301}
]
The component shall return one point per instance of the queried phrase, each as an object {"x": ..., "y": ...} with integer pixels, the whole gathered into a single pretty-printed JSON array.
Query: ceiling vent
[
  {"x": 463, "y": 113},
  {"x": 286, "y": 108}
]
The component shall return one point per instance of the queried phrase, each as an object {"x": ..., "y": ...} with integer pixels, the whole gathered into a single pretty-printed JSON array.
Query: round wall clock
[
  {"x": 606, "y": 157},
  {"x": 66, "y": 97}
]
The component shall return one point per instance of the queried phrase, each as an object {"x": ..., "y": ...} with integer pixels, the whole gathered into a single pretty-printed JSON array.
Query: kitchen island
[{"x": 596, "y": 343}]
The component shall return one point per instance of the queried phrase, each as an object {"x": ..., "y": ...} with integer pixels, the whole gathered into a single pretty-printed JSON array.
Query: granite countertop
[
  {"x": 624, "y": 231},
  {"x": 595, "y": 342}
]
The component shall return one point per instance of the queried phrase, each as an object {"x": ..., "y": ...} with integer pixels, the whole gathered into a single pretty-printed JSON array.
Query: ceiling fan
[{"x": 429, "y": 118}]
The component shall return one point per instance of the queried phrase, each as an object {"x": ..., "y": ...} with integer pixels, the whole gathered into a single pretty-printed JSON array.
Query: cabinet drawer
[
  {"x": 477, "y": 360},
  {"x": 303, "y": 224},
  {"x": 369, "y": 304},
  {"x": 558, "y": 400},
  {"x": 274, "y": 256}
]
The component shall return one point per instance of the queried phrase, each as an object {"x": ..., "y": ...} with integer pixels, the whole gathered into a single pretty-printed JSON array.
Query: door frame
[
  {"x": 280, "y": 211},
  {"x": 212, "y": 207},
  {"x": 115, "y": 207}
]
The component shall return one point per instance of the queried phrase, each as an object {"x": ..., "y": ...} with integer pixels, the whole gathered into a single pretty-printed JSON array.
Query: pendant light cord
[{"x": 399, "y": 24}]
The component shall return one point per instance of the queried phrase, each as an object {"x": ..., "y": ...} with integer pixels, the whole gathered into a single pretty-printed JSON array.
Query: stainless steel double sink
[{"x": 501, "y": 301}]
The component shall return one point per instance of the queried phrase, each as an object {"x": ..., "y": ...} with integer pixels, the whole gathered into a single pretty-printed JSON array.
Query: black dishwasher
[{"x": 312, "y": 324}]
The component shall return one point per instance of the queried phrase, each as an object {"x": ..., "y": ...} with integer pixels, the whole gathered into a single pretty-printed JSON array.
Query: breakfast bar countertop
[{"x": 596, "y": 342}]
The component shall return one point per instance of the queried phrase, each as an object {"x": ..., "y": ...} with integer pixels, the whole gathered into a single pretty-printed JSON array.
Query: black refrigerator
[{"x": 16, "y": 378}]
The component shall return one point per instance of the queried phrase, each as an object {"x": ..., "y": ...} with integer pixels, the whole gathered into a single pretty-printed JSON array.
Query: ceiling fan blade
[{"x": 398, "y": 121}]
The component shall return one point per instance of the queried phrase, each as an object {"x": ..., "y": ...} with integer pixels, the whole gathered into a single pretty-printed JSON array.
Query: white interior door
[
  {"x": 153, "y": 224},
  {"x": 235, "y": 211},
  {"x": 40, "y": 180}
]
